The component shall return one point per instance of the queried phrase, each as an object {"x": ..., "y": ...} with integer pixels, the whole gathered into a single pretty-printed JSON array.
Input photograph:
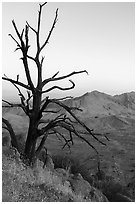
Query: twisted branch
[{"x": 60, "y": 88}]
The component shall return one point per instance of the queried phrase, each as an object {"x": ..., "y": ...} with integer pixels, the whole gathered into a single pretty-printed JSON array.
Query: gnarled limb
[
  {"x": 62, "y": 77},
  {"x": 60, "y": 88},
  {"x": 14, "y": 141}
]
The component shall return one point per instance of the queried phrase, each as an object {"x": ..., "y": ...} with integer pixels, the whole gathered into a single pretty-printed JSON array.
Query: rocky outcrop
[
  {"x": 49, "y": 163},
  {"x": 83, "y": 188},
  {"x": 98, "y": 196},
  {"x": 64, "y": 174},
  {"x": 80, "y": 186}
]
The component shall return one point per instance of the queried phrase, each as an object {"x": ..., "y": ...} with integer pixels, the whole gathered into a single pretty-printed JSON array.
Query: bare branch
[
  {"x": 50, "y": 32},
  {"x": 22, "y": 33},
  {"x": 62, "y": 124},
  {"x": 22, "y": 98},
  {"x": 17, "y": 32},
  {"x": 27, "y": 72},
  {"x": 30, "y": 57},
  {"x": 51, "y": 124},
  {"x": 19, "y": 47},
  {"x": 27, "y": 101},
  {"x": 64, "y": 98},
  {"x": 44, "y": 106},
  {"x": 60, "y": 88},
  {"x": 20, "y": 93},
  {"x": 38, "y": 29},
  {"x": 43, "y": 4},
  {"x": 55, "y": 75},
  {"x": 17, "y": 82},
  {"x": 31, "y": 27},
  {"x": 26, "y": 37},
  {"x": 62, "y": 136},
  {"x": 42, "y": 60},
  {"x": 14, "y": 141},
  {"x": 11, "y": 104},
  {"x": 62, "y": 77},
  {"x": 24, "y": 52},
  {"x": 96, "y": 134},
  {"x": 19, "y": 36},
  {"x": 80, "y": 122}
]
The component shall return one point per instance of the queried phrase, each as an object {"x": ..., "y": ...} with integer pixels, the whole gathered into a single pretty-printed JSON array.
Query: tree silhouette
[{"x": 35, "y": 106}]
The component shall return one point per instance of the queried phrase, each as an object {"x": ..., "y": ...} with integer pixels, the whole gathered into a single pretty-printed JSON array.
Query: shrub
[{"x": 72, "y": 164}]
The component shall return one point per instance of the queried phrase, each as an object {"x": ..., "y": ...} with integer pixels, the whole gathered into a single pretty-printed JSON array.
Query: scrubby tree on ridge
[{"x": 39, "y": 105}]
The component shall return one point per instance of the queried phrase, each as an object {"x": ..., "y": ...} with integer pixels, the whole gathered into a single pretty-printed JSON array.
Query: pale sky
[{"x": 98, "y": 37}]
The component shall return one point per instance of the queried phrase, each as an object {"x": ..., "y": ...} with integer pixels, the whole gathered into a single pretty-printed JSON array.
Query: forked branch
[
  {"x": 62, "y": 77},
  {"x": 50, "y": 32}
]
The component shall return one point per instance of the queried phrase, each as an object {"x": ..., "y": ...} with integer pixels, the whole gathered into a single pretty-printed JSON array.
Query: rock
[
  {"x": 6, "y": 140},
  {"x": 80, "y": 186},
  {"x": 121, "y": 198},
  {"x": 11, "y": 152},
  {"x": 49, "y": 163},
  {"x": 63, "y": 174},
  {"x": 67, "y": 184},
  {"x": 38, "y": 164},
  {"x": 97, "y": 195}
]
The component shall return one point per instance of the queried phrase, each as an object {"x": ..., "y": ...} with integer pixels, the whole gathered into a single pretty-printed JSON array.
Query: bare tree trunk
[{"x": 32, "y": 135}]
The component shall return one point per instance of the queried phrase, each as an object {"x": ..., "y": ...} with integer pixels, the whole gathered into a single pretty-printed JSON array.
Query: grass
[{"x": 24, "y": 184}]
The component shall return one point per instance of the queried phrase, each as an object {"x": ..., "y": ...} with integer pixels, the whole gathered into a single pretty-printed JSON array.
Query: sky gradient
[{"x": 98, "y": 37}]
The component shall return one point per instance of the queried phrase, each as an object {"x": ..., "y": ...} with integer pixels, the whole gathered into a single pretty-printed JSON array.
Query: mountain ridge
[
  {"x": 98, "y": 103},
  {"x": 99, "y": 110}
]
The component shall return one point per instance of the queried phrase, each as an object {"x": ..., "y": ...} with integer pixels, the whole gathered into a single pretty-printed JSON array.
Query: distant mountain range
[
  {"x": 99, "y": 110},
  {"x": 103, "y": 111}
]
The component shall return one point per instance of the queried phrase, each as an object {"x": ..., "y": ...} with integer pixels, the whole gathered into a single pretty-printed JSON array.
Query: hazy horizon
[{"x": 98, "y": 37}]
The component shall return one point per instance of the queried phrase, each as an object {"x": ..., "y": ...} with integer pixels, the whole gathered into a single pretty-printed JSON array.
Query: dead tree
[{"x": 39, "y": 106}]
